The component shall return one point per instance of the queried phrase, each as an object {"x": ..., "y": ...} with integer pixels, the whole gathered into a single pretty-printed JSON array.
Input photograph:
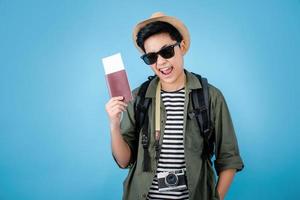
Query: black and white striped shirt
[{"x": 172, "y": 149}]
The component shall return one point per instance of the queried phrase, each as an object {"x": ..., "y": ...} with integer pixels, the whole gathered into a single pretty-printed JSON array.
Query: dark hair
[{"x": 154, "y": 28}]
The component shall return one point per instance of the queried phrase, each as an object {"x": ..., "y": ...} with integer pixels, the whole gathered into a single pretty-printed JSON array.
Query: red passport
[{"x": 116, "y": 77}]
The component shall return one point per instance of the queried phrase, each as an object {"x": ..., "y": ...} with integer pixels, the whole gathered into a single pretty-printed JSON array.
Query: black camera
[{"x": 171, "y": 180}]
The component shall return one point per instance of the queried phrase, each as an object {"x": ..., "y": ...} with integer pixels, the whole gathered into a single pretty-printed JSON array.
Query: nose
[{"x": 160, "y": 60}]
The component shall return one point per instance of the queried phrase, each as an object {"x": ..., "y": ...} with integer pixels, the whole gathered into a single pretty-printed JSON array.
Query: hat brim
[{"x": 171, "y": 20}]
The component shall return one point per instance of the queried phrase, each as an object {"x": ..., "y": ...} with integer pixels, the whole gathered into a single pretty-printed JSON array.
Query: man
[{"x": 172, "y": 166}]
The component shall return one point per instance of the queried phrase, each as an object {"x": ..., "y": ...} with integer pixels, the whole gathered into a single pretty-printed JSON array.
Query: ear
[{"x": 183, "y": 47}]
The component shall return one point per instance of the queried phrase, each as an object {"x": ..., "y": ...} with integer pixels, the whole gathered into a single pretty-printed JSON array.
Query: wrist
[{"x": 115, "y": 126}]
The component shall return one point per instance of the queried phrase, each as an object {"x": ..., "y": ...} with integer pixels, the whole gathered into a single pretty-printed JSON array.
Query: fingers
[
  {"x": 115, "y": 106},
  {"x": 117, "y": 100},
  {"x": 116, "y": 111}
]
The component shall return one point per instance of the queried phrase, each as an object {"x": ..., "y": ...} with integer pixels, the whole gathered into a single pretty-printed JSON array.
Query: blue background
[{"x": 54, "y": 136}]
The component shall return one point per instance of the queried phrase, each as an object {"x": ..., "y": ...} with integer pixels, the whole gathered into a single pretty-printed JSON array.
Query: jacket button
[{"x": 144, "y": 195}]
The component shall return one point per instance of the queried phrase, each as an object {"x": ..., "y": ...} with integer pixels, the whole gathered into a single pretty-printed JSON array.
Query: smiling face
[{"x": 170, "y": 71}]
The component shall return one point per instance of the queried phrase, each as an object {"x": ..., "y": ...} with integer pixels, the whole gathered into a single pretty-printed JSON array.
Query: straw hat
[{"x": 159, "y": 16}]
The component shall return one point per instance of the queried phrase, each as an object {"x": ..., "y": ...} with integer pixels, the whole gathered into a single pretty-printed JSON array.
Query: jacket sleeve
[{"x": 226, "y": 145}]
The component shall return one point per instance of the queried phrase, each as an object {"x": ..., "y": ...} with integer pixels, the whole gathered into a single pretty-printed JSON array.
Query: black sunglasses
[{"x": 166, "y": 52}]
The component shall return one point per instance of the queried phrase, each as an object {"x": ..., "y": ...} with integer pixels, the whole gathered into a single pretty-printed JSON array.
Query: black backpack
[{"x": 200, "y": 103}]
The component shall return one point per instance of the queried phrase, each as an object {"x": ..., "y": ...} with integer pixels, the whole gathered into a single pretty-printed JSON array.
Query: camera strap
[{"x": 157, "y": 120}]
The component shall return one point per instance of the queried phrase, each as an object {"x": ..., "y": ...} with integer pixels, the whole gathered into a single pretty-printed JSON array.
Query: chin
[{"x": 168, "y": 80}]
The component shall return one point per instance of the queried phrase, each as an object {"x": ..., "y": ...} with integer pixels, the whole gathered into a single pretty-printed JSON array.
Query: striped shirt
[{"x": 172, "y": 149}]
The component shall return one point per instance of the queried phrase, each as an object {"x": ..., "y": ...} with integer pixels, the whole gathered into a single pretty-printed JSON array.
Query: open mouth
[{"x": 166, "y": 70}]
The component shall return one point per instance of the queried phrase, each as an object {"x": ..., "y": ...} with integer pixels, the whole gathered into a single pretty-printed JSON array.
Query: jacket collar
[{"x": 192, "y": 83}]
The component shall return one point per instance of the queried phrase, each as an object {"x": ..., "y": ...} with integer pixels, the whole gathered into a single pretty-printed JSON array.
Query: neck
[{"x": 174, "y": 86}]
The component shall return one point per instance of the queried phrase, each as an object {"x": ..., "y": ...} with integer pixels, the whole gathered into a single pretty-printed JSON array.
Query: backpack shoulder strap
[
  {"x": 200, "y": 102},
  {"x": 142, "y": 103},
  {"x": 141, "y": 106}
]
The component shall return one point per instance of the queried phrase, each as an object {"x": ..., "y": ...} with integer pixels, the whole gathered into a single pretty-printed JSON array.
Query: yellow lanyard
[{"x": 157, "y": 112}]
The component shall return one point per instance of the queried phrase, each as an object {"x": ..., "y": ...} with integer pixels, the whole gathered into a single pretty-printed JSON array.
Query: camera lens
[{"x": 171, "y": 179}]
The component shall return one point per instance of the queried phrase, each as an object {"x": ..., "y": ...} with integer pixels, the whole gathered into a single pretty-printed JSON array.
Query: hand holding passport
[{"x": 116, "y": 77}]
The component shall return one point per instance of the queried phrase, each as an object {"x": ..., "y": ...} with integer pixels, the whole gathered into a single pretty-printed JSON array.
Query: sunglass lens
[
  {"x": 167, "y": 52},
  {"x": 150, "y": 58}
]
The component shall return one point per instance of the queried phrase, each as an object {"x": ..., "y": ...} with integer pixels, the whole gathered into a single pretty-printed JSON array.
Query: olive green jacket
[{"x": 200, "y": 175}]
